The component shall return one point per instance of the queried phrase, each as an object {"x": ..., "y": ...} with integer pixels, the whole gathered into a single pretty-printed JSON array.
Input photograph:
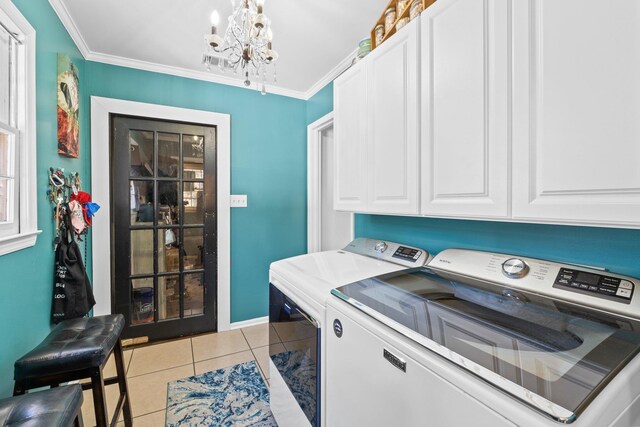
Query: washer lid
[{"x": 552, "y": 355}]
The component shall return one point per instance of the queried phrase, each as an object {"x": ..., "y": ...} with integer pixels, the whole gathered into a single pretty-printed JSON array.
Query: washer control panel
[
  {"x": 594, "y": 284},
  {"x": 520, "y": 275}
]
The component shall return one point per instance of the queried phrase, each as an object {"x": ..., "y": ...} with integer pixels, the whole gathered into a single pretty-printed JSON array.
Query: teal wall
[
  {"x": 320, "y": 104},
  {"x": 26, "y": 276},
  {"x": 268, "y": 164}
]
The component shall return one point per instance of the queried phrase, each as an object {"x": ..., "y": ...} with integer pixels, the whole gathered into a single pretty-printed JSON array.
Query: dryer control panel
[{"x": 389, "y": 251}]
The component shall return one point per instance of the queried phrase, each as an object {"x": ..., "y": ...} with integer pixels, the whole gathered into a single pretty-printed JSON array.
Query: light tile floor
[{"x": 151, "y": 367}]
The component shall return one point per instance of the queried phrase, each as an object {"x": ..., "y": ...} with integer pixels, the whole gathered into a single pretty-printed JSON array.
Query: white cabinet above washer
[
  {"x": 504, "y": 110},
  {"x": 383, "y": 91},
  {"x": 576, "y": 110},
  {"x": 465, "y": 99},
  {"x": 350, "y": 129}
]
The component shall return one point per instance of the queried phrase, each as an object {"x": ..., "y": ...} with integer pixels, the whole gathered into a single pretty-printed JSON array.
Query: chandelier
[{"x": 246, "y": 45}]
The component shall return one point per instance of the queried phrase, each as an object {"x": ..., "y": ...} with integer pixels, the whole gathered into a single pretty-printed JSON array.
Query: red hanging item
[{"x": 83, "y": 198}]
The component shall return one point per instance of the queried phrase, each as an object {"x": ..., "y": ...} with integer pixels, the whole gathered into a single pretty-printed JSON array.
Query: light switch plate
[{"x": 238, "y": 200}]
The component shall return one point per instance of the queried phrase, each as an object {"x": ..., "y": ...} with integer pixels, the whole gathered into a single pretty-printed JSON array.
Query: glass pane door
[{"x": 163, "y": 176}]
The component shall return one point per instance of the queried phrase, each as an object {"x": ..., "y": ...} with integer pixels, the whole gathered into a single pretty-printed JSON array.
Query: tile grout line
[
  {"x": 224, "y": 355},
  {"x": 148, "y": 413},
  {"x": 264, "y": 377},
  {"x": 126, "y": 371},
  {"x": 193, "y": 356},
  {"x": 159, "y": 370}
]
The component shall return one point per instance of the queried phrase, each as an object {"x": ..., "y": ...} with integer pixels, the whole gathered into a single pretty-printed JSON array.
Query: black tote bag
[{"x": 72, "y": 292}]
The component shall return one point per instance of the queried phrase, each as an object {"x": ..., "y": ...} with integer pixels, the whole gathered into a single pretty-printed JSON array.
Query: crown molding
[
  {"x": 187, "y": 73},
  {"x": 69, "y": 24},
  {"x": 342, "y": 66},
  {"x": 65, "y": 17}
]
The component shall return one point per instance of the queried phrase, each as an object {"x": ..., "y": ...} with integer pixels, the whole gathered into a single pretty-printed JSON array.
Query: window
[{"x": 18, "y": 222}]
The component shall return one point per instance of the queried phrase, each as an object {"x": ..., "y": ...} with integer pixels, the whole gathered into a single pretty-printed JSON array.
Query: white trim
[
  {"x": 314, "y": 183},
  {"x": 71, "y": 27},
  {"x": 27, "y": 124},
  {"x": 101, "y": 108},
  {"x": 68, "y": 22},
  {"x": 342, "y": 66},
  {"x": 250, "y": 322},
  {"x": 18, "y": 242},
  {"x": 187, "y": 73}
]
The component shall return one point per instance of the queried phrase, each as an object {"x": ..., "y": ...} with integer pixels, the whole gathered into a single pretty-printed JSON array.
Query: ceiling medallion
[{"x": 246, "y": 45}]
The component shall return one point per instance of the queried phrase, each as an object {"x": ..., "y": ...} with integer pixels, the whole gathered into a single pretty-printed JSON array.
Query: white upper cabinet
[
  {"x": 465, "y": 99},
  {"x": 377, "y": 129},
  {"x": 392, "y": 79},
  {"x": 576, "y": 111},
  {"x": 350, "y": 130}
]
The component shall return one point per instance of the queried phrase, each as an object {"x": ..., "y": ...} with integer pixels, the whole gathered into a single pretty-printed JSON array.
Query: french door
[{"x": 164, "y": 245}]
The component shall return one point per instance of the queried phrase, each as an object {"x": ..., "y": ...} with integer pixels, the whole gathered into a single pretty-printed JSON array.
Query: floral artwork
[{"x": 68, "y": 108}]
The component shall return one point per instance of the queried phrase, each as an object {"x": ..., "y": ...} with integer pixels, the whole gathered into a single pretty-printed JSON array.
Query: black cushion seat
[
  {"x": 49, "y": 408},
  {"x": 72, "y": 345}
]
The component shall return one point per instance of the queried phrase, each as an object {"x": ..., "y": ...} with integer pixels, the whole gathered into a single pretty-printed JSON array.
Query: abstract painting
[{"x": 68, "y": 108}]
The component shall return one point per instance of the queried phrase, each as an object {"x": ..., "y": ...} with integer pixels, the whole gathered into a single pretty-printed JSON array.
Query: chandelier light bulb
[
  {"x": 260, "y": 5},
  {"x": 215, "y": 18}
]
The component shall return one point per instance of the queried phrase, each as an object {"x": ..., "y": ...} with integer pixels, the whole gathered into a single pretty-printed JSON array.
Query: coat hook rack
[{"x": 66, "y": 195}]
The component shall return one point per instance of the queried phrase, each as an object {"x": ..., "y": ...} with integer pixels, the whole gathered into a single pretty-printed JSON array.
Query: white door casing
[
  {"x": 465, "y": 100},
  {"x": 576, "y": 138},
  {"x": 101, "y": 108},
  {"x": 315, "y": 189}
]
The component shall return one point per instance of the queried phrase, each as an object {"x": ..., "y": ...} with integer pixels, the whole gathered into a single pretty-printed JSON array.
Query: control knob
[
  {"x": 381, "y": 247},
  {"x": 515, "y": 268}
]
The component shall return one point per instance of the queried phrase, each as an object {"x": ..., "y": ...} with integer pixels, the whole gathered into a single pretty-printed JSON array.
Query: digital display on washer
[
  {"x": 608, "y": 287},
  {"x": 588, "y": 278},
  {"x": 409, "y": 254}
]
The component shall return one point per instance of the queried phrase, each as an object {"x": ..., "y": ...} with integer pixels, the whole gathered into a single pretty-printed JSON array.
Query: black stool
[
  {"x": 77, "y": 349},
  {"x": 61, "y": 407}
]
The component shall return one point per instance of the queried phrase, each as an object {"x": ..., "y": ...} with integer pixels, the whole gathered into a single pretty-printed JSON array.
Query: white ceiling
[{"x": 312, "y": 37}]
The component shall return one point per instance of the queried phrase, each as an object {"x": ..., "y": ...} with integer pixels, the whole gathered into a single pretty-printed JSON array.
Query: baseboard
[{"x": 250, "y": 322}]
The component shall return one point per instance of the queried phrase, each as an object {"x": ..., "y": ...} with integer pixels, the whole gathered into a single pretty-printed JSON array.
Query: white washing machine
[
  {"x": 485, "y": 339},
  {"x": 299, "y": 289}
]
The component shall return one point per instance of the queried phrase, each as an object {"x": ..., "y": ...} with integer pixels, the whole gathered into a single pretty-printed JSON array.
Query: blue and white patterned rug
[{"x": 229, "y": 397}]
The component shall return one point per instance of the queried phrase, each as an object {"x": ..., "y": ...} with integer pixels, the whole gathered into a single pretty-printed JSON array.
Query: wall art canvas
[{"x": 68, "y": 108}]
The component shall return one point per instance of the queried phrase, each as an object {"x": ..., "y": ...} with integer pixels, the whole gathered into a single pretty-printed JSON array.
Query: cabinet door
[
  {"x": 350, "y": 112},
  {"x": 465, "y": 99},
  {"x": 576, "y": 126},
  {"x": 393, "y": 124}
]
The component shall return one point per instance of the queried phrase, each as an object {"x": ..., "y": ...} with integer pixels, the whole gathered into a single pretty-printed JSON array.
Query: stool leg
[
  {"x": 19, "y": 388},
  {"x": 122, "y": 383},
  {"x": 99, "y": 399},
  {"x": 78, "y": 422}
]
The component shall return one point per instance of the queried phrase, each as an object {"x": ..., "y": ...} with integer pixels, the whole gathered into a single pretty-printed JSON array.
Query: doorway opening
[{"x": 328, "y": 229}]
